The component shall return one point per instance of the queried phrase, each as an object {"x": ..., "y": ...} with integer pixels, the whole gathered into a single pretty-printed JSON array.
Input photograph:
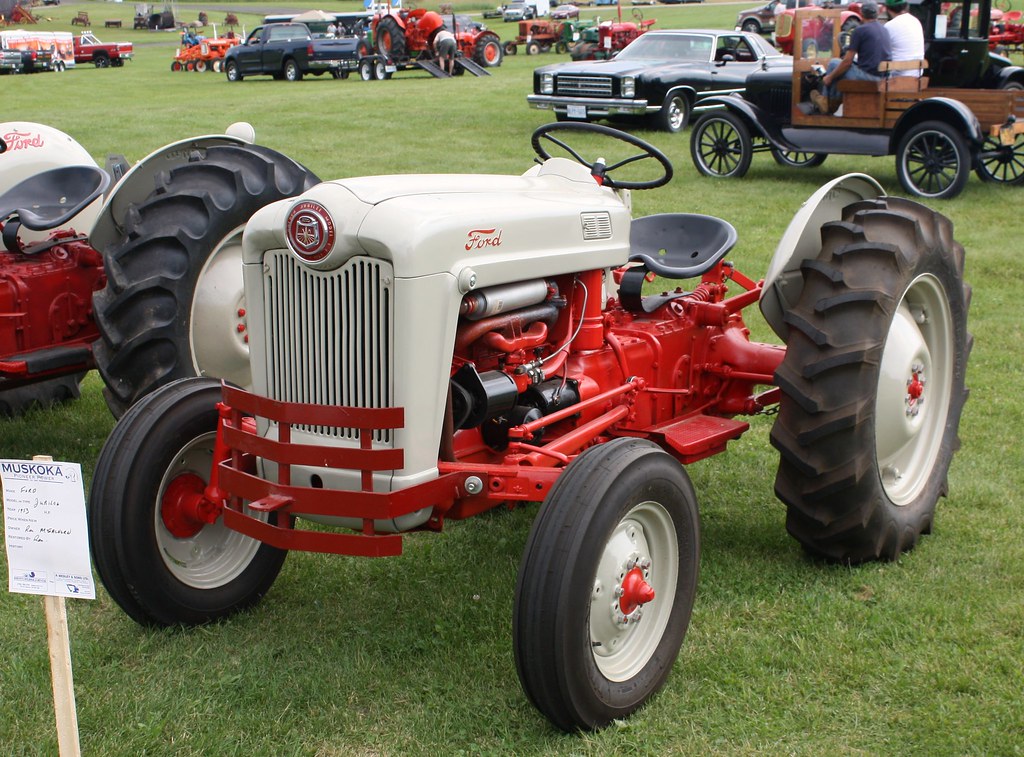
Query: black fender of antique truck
[
  {"x": 945, "y": 110},
  {"x": 1005, "y": 72},
  {"x": 760, "y": 123}
]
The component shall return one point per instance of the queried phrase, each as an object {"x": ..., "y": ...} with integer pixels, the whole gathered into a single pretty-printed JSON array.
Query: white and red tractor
[
  {"x": 427, "y": 347},
  {"x": 134, "y": 271}
]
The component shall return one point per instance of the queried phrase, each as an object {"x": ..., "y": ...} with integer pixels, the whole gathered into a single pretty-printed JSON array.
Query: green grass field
[{"x": 412, "y": 655}]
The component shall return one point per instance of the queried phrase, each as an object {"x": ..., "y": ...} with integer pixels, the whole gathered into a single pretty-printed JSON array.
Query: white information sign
[{"x": 45, "y": 529}]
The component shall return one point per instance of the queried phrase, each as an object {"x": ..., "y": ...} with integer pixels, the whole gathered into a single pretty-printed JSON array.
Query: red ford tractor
[
  {"x": 405, "y": 37},
  {"x": 426, "y": 348},
  {"x": 98, "y": 274}
]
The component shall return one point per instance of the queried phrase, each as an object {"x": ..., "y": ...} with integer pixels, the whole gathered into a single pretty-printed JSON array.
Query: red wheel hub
[
  {"x": 635, "y": 591},
  {"x": 185, "y": 508}
]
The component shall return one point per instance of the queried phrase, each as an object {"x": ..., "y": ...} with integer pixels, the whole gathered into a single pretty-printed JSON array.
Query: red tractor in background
[
  {"x": 97, "y": 269},
  {"x": 405, "y": 38},
  {"x": 608, "y": 37}
]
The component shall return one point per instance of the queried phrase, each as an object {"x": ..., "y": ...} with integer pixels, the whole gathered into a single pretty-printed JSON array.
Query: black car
[{"x": 661, "y": 76}]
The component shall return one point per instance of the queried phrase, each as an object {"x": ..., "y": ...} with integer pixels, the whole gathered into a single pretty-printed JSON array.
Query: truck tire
[
  {"x": 232, "y": 72},
  {"x": 391, "y": 39},
  {"x": 160, "y": 566},
  {"x": 873, "y": 382},
  {"x": 720, "y": 145},
  {"x": 751, "y": 26},
  {"x": 590, "y": 645},
  {"x": 933, "y": 161},
  {"x": 291, "y": 70},
  {"x": 366, "y": 69},
  {"x": 43, "y": 394},
  {"x": 101, "y": 60},
  {"x": 173, "y": 303},
  {"x": 488, "y": 52}
]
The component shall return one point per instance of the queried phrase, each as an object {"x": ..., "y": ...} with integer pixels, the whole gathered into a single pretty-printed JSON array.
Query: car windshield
[{"x": 697, "y": 48}]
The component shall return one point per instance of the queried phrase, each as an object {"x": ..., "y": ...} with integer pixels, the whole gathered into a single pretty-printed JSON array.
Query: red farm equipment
[
  {"x": 608, "y": 37},
  {"x": 202, "y": 54},
  {"x": 425, "y": 348},
  {"x": 1007, "y": 34},
  {"x": 95, "y": 272},
  {"x": 539, "y": 36},
  {"x": 405, "y": 39}
]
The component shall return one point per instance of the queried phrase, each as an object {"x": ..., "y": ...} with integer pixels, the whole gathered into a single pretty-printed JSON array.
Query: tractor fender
[
  {"x": 138, "y": 183},
  {"x": 801, "y": 241},
  {"x": 29, "y": 148},
  {"x": 944, "y": 109}
]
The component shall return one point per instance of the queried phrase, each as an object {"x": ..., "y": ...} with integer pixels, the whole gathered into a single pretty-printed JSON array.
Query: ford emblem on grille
[{"x": 310, "y": 231}]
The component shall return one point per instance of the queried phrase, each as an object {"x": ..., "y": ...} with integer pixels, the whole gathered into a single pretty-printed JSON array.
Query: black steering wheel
[{"x": 599, "y": 170}]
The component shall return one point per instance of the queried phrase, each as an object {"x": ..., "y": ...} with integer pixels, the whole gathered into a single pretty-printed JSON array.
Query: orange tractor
[
  {"x": 202, "y": 54},
  {"x": 405, "y": 38}
]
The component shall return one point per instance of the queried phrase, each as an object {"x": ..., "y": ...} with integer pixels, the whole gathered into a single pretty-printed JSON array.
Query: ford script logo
[{"x": 310, "y": 231}]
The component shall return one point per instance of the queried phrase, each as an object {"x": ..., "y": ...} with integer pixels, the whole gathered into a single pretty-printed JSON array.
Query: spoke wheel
[
  {"x": 1001, "y": 163},
  {"x": 933, "y": 161},
  {"x": 873, "y": 382},
  {"x": 720, "y": 145},
  {"x": 606, "y": 584},
  {"x": 160, "y": 557},
  {"x": 795, "y": 159}
]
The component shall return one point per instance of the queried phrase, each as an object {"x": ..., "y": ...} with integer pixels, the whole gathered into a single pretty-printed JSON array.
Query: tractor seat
[
  {"x": 674, "y": 246},
  {"x": 52, "y": 198},
  {"x": 680, "y": 245}
]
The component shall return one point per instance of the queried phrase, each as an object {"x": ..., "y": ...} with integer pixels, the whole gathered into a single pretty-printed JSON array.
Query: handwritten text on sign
[{"x": 45, "y": 529}]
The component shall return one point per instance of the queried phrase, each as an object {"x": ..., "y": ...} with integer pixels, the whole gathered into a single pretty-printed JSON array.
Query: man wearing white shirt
[{"x": 906, "y": 38}]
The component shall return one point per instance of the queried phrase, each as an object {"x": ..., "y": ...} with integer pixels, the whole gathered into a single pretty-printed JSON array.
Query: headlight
[
  {"x": 628, "y": 86},
  {"x": 547, "y": 84}
]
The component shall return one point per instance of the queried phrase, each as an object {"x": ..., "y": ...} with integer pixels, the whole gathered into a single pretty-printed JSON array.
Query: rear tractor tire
[
  {"x": 489, "y": 53},
  {"x": 173, "y": 306},
  {"x": 606, "y": 584},
  {"x": 163, "y": 566},
  {"x": 390, "y": 39},
  {"x": 873, "y": 382}
]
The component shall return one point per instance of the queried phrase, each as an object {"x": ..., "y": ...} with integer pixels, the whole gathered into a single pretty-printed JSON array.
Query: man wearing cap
[
  {"x": 869, "y": 46},
  {"x": 906, "y": 37}
]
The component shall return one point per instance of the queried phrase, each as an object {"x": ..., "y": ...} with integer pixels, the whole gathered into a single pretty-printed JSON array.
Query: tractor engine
[
  {"x": 382, "y": 292},
  {"x": 46, "y": 301}
]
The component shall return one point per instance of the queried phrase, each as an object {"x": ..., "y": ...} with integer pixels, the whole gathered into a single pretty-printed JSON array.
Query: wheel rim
[
  {"x": 914, "y": 387},
  {"x": 796, "y": 158},
  {"x": 365, "y": 72},
  {"x": 1007, "y": 165},
  {"x": 626, "y": 624},
  {"x": 217, "y": 327},
  {"x": 719, "y": 147},
  {"x": 675, "y": 114},
  {"x": 215, "y": 555},
  {"x": 492, "y": 52},
  {"x": 931, "y": 162}
]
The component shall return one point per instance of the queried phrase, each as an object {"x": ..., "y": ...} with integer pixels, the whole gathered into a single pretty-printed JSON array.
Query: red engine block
[{"x": 46, "y": 303}]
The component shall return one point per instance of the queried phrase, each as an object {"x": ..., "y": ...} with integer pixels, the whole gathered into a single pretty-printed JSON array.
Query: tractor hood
[{"x": 555, "y": 219}]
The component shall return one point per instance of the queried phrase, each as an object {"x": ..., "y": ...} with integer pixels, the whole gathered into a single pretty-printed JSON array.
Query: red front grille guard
[{"x": 461, "y": 489}]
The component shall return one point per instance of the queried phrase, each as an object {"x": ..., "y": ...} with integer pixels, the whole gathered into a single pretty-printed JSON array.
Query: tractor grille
[
  {"x": 583, "y": 86},
  {"x": 329, "y": 336}
]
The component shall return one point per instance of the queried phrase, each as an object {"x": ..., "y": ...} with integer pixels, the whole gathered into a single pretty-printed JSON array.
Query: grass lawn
[{"x": 412, "y": 655}]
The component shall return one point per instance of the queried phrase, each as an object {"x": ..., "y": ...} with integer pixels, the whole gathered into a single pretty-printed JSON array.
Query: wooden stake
[{"x": 60, "y": 670}]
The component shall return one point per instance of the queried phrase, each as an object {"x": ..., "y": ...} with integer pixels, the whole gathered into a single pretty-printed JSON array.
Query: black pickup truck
[{"x": 289, "y": 51}]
